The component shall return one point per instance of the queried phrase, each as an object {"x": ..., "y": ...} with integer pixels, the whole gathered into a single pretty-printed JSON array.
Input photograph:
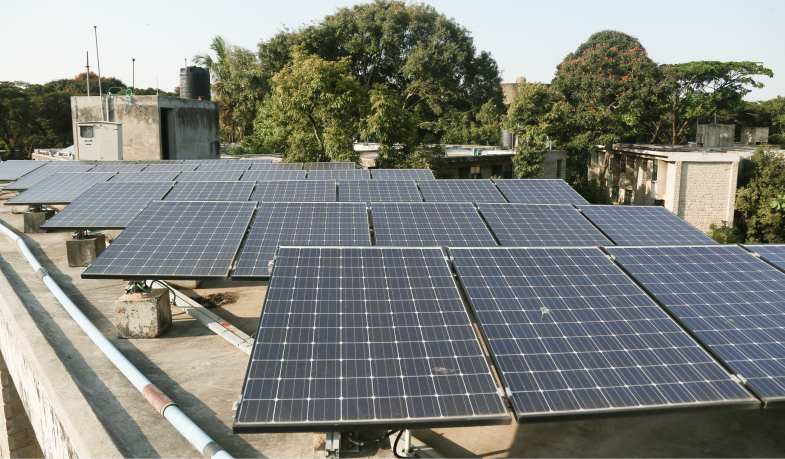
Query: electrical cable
[
  {"x": 174, "y": 295},
  {"x": 395, "y": 445},
  {"x": 368, "y": 442},
  {"x": 128, "y": 92}
]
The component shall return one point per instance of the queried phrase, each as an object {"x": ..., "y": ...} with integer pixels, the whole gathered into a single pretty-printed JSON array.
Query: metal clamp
[{"x": 332, "y": 445}]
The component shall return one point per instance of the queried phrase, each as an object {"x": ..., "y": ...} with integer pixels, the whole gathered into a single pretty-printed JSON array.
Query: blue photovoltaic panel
[
  {"x": 144, "y": 177},
  {"x": 295, "y": 191},
  {"x": 732, "y": 301},
  {"x": 223, "y": 166},
  {"x": 402, "y": 174},
  {"x": 644, "y": 225},
  {"x": 329, "y": 166},
  {"x": 423, "y": 224},
  {"x": 339, "y": 174},
  {"x": 122, "y": 166},
  {"x": 273, "y": 175},
  {"x": 300, "y": 223},
  {"x": 365, "y": 338},
  {"x": 571, "y": 335},
  {"x": 773, "y": 253},
  {"x": 259, "y": 166},
  {"x": 60, "y": 188},
  {"x": 539, "y": 191},
  {"x": 108, "y": 205},
  {"x": 37, "y": 176},
  {"x": 376, "y": 191},
  {"x": 207, "y": 176},
  {"x": 210, "y": 191},
  {"x": 170, "y": 167},
  {"x": 460, "y": 191},
  {"x": 176, "y": 240},
  {"x": 532, "y": 225},
  {"x": 162, "y": 161},
  {"x": 13, "y": 169}
]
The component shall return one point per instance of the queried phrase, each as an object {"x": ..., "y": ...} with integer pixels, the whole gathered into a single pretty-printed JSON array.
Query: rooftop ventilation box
[{"x": 99, "y": 140}]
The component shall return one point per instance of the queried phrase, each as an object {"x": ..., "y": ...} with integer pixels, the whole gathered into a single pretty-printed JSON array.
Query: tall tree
[
  {"x": 33, "y": 116},
  {"x": 759, "y": 221}
]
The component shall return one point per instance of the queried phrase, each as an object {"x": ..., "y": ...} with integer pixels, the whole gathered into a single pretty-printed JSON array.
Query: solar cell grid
[
  {"x": 273, "y": 175},
  {"x": 295, "y": 191},
  {"x": 644, "y": 225},
  {"x": 329, "y": 166},
  {"x": 532, "y": 225},
  {"x": 211, "y": 191},
  {"x": 144, "y": 176},
  {"x": 259, "y": 166},
  {"x": 572, "y": 335},
  {"x": 402, "y": 174},
  {"x": 176, "y": 240},
  {"x": 460, "y": 191},
  {"x": 161, "y": 161},
  {"x": 59, "y": 188},
  {"x": 732, "y": 301},
  {"x": 118, "y": 168},
  {"x": 37, "y": 176},
  {"x": 223, "y": 166},
  {"x": 773, "y": 253},
  {"x": 205, "y": 176},
  {"x": 362, "y": 339},
  {"x": 383, "y": 190},
  {"x": 13, "y": 169},
  {"x": 170, "y": 167},
  {"x": 108, "y": 205},
  {"x": 539, "y": 191},
  {"x": 291, "y": 223},
  {"x": 339, "y": 174},
  {"x": 429, "y": 224}
]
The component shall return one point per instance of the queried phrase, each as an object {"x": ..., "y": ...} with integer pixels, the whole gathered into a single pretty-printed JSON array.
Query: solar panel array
[
  {"x": 59, "y": 188},
  {"x": 13, "y": 169},
  {"x": 732, "y": 301},
  {"x": 532, "y": 225},
  {"x": 108, "y": 205},
  {"x": 423, "y": 224},
  {"x": 539, "y": 191},
  {"x": 329, "y": 166},
  {"x": 176, "y": 240},
  {"x": 572, "y": 335},
  {"x": 773, "y": 253},
  {"x": 273, "y": 175},
  {"x": 223, "y": 166},
  {"x": 145, "y": 176},
  {"x": 383, "y": 190},
  {"x": 40, "y": 174},
  {"x": 644, "y": 225},
  {"x": 460, "y": 191},
  {"x": 295, "y": 191},
  {"x": 307, "y": 223},
  {"x": 214, "y": 175},
  {"x": 162, "y": 161},
  {"x": 339, "y": 174},
  {"x": 402, "y": 174},
  {"x": 259, "y": 166},
  {"x": 362, "y": 338},
  {"x": 120, "y": 167},
  {"x": 211, "y": 191},
  {"x": 170, "y": 167}
]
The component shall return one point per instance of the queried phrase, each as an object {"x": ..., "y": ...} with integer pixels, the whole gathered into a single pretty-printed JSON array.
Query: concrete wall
[
  {"x": 194, "y": 123},
  {"x": 551, "y": 166},
  {"x": 754, "y": 135},
  {"x": 707, "y": 193},
  {"x": 716, "y": 135},
  {"x": 17, "y": 437}
]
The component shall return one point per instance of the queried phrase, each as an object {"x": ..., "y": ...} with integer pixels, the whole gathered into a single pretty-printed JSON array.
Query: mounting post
[{"x": 332, "y": 445}]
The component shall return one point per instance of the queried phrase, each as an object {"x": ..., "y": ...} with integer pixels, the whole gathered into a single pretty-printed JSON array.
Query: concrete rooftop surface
[{"x": 203, "y": 374}]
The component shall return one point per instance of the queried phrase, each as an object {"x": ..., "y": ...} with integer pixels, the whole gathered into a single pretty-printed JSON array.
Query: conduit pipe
[{"x": 163, "y": 404}]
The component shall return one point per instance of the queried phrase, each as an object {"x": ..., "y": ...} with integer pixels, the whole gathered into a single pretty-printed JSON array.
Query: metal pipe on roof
[{"x": 163, "y": 404}]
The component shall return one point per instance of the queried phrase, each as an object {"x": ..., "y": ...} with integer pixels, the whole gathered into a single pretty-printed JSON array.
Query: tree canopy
[
  {"x": 759, "y": 221},
  {"x": 33, "y": 116}
]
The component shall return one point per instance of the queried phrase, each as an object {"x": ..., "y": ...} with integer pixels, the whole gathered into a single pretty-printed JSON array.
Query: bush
[{"x": 725, "y": 234}]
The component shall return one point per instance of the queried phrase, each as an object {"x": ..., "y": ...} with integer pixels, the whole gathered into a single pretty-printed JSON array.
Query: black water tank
[{"x": 194, "y": 83}]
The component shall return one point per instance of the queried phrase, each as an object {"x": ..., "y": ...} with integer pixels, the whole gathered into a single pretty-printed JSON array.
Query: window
[
  {"x": 630, "y": 162},
  {"x": 558, "y": 168},
  {"x": 507, "y": 173},
  {"x": 615, "y": 194},
  {"x": 659, "y": 202},
  {"x": 654, "y": 173},
  {"x": 615, "y": 159},
  {"x": 86, "y": 132},
  {"x": 628, "y": 197},
  {"x": 464, "y": 173},
  {"x": 476, "y": 174}
]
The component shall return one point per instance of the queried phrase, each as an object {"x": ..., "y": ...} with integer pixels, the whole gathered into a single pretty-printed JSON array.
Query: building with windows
[{"x": 696, "y": 184}]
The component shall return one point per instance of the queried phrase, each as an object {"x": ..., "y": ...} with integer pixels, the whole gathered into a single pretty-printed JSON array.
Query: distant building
[
  {"x": 155, "y": 127},
  {"x": 696, "y": 184}
]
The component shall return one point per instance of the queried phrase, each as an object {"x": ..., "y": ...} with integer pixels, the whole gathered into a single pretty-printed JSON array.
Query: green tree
[
  {"x": 758, "y": 220},
  {"x": 77, "y": 86},
  {"x": 33, "y": 116}
]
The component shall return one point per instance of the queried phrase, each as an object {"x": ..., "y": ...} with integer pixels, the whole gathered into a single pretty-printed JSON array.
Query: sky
[{"x": 47, "y": 40}]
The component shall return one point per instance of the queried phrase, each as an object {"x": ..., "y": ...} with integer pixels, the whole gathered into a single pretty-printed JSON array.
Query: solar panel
[
  {"x": 42, "y": 173},
  {"x": 531, "y": 225},
  {"x": 295, "y": 191},
  {"x": 402, "y": 174},
  {"x": 144, "y": 176},
  {"x": 60, "y": 188},
  {"x": 108, "y": 205},
  {"x": 273, "y": 175},
  {"x": 118, "y": 168},
  {"x": 460, "y": 191},
  {"x": 276, "y": 166},
  {"x": 176, "y": 240},
  {"x": 223, "y": 166},
  {"x": 210, "y": 191},
  {"x": 13, "y": 169},
  {"x": 339, "y": 174},
  {"x": 539, "y": 191},
  {"x": 305, "y": 223},
  {"x": 424, "y": 224},
  {"x": 205, "y": 176},
  {"x": 329, "y": 166},
  {"x": 383, "y": 190},
  {"x": 170, "y": 167},
  {"x": 733, "y": 302},
  {"x": 363, "y": 339},
  {"x": 161, "y": 161},
  {"x": 773, "y": 253},
  {"x": 644, "y": 225},
  {"x": 572, "y": 335}
]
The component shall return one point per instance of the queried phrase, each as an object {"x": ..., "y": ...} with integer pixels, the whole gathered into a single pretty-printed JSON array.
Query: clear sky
[{"x": 47, "y": 40}]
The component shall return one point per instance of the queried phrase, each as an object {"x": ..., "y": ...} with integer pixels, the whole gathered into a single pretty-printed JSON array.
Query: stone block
[
  {"x": 82, "y": 252},
  {"x": 143, "y": 315},
  {"x": 34, "y": 220},
  {"x": 189, "y": 284}
]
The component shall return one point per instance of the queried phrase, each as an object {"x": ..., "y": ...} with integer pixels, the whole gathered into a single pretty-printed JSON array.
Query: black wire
[
  {"x": 367, "y": 442},
  {"x": 395, "y": 445}
]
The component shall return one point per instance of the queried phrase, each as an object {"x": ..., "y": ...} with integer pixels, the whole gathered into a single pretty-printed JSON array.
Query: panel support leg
[{"x": 332, "y": 445}]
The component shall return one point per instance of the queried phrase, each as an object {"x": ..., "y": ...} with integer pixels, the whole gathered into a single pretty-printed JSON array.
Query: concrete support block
[
  {"x": 34, "y": 220},
  {"x": 143, "y": 315},
  {"x": 189, "y": 284},
  {"x": 82, "y": 252}
]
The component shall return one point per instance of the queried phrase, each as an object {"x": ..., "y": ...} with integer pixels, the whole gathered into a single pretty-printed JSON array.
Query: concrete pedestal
[
  {"x": 82, "y": 252},
  {"x": 143, "y": 315},
  {"x": 34, "y": 220}
]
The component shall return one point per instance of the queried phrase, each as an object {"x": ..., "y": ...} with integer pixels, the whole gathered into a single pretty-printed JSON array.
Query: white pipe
[{"x": 200, "y": 440}]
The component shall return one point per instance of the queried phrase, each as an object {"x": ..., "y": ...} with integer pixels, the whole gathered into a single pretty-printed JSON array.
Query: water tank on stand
[{"x": 194, "y": 83}]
